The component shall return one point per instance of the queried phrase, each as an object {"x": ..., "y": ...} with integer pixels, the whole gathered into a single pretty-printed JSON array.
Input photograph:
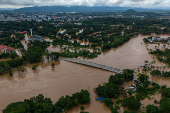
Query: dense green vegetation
[
  {"x": 111, "y": 89},
  {"x": 143, "y": 89},
  {"x": 34, "y": 54},
  {"x": 152, "y": 109},
  {"x": 7, "y": 40},
  {"x": 159, "y": 73},
  {"x": 39, "y": 104},
  {"x": 6, "y": 66},
  {"x": 131, "y": 103},
  {"x": 155, "y": 72},
  {"x": 163, "y": 56},
  {"x": 9, "y": 55}
]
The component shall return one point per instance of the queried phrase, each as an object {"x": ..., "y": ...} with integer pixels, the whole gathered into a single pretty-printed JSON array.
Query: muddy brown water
[{"x": 68, "y": 78}]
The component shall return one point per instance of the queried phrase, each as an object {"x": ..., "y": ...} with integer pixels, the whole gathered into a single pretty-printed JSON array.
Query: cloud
[{"x": 123, "y": 3}]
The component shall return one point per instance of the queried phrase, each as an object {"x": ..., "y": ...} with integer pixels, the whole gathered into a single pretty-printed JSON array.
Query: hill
[{"x": 130, "y": 12}]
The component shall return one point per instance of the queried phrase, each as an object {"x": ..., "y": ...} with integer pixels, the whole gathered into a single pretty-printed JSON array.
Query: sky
[{"x": 117, "y": 3}]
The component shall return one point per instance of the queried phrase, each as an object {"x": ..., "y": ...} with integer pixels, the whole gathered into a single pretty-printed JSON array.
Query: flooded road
[{"x": 68, "y": 78}]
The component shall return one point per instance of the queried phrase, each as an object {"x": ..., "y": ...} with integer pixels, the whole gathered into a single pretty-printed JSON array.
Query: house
[
  {"x": 5, "y": 49},
  {"x": 40, "y": 26},
  {"x": 21, "y": 32},
  {"x": 157, "y": 38},
  {"x": 10, "y": 49},
  {"x": 168, "y": 39},
  {"x": 36, "y": 39}
]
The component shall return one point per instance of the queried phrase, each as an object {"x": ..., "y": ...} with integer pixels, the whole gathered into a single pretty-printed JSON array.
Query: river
[{"x": 68, "y": 78}]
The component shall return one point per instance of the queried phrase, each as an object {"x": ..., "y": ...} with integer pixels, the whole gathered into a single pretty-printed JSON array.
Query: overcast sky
[{"x": 122, "y": 3}]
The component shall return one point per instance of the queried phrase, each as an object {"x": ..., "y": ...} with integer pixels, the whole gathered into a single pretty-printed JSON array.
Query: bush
[
  {"x": 34, "y": 67},
  {"x": 155, "y": 101},
  {"x": 82, "y": 107}
]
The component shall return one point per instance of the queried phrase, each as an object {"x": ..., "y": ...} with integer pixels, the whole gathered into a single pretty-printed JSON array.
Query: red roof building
[
  {"x": 10, "y": 49},
  {"x": 2, "y": 47}
]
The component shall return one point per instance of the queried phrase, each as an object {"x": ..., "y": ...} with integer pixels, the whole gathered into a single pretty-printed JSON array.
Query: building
[
  {"x": 168, "y": 39},
  {"x": 36, "y": 39},
  {"x": 5, "y": 49},
  {"x": 10, "y": 49},
  {"x": 157, "y": 38}
]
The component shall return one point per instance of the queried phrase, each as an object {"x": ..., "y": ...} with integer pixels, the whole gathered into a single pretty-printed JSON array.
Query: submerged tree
[
  {"x": 35, "y": 66},
  {"x": 52, "y": 65},
  {"x": 21, "y": 69}
]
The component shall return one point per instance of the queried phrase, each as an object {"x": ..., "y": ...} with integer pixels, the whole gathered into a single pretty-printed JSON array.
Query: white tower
[{"x": 31, "y": 31}]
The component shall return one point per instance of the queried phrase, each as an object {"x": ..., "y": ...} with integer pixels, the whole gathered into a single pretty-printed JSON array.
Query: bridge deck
[{"x": 92, "y": 64}]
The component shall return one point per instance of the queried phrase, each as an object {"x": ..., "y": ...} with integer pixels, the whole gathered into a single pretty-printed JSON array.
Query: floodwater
[
  {"x": 68, "y": 78},
  {"x": 54, "y": 49},
  {"x": 129, "y": 56}
]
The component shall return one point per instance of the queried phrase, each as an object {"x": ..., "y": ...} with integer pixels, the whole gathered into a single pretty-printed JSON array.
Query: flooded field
[{"x": 68, "y": 78}]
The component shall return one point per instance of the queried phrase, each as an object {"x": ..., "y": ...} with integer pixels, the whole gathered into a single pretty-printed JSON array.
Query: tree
[
  {"x": 165, "y": 106},
  {"x": 10, "y": 72},
  {"x": 18, "y": 107},
  {"x": 166, "y": 92},
  {"x": 37, "y": 104},
  {"x": 24, "y": 63},
  {"x": 155, "y": 72},
  {"x": 82, "y": 107},
  {"x": 52, "y": 65},
  {"x": 131, "y": 103},
  {"x": 127, "y": 73},
  {"x": 143, "y": 77},
  {"x": 108, "y": 90},
  {"x": 35, "y": 66},
  {"x": 117, "y": 79},
  {"x": 108, "y": 101},
  {"x": 20, "y": 69},
  {"x": 152, "y": 109}
]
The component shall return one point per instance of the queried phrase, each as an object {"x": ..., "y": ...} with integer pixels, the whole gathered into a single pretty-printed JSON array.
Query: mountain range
[{"x": 75, "y": 9}]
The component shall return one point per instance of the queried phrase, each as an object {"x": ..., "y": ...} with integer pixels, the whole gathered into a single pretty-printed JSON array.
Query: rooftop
[{"x": 2, "y": 46}]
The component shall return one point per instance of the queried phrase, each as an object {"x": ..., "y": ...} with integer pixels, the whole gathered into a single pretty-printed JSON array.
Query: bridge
[{"x": 92, "y": 64}]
